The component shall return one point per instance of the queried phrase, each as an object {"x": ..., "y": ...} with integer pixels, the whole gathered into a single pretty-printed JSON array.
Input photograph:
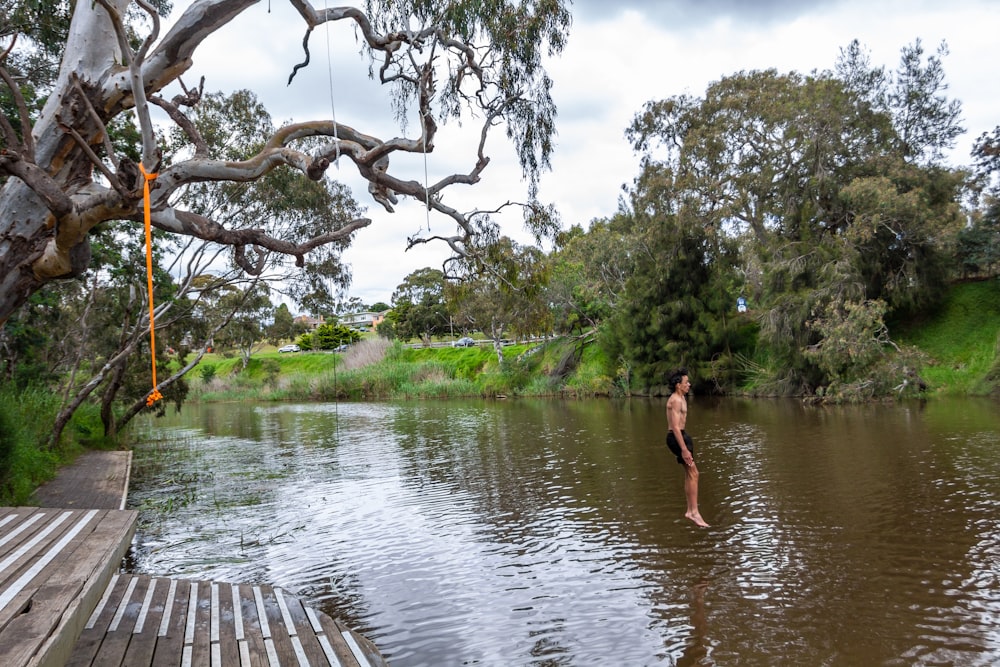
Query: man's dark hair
[{"x": 676, "y": 377}]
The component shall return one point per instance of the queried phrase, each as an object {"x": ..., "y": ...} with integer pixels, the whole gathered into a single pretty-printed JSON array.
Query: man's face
[{"x": 684, "y": 384}]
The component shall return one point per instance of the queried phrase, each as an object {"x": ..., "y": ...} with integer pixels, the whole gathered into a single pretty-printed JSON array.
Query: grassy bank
[
  {"x": 377, "y": 369},
  {"x": 960, "y": 340}
]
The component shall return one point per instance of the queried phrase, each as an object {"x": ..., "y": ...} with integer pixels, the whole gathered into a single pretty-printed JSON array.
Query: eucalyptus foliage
[{"x": 831, "y": 188}]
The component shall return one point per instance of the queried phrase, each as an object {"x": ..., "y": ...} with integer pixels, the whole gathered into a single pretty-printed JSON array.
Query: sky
[{"x": 620, "y": 55}]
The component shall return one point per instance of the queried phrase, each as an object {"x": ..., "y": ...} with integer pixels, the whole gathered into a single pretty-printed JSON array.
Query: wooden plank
[
  {"x": 297, "y": 624},
  {"x": 116, "y": 641},
  {"x": 267, "y": 615},
  {"x": 25, "y": 626},
  {"x": 224, "y": 626},
  {"x": 170, "y": 633},
  {"x": 144, "y": 634},
  {"x": 363, "y": 650},
  {"x": 96, "y": 627},
  {"x": 17, "y": 520},
  {"x": 253, "y": 637},
  {"x": 334, "y": 634},
  {"x": 26, "y": 548},
  {"x": 329, "y": 652},
  {"x": 159, "y": 621},
  {"x": 197, "y": 635}
]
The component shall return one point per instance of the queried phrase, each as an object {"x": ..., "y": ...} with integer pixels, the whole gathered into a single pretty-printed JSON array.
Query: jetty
[{"x": 65, "y": 599}]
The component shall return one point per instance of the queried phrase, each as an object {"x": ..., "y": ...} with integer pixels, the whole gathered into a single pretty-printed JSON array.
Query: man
[{"x": 680, "y": 443}]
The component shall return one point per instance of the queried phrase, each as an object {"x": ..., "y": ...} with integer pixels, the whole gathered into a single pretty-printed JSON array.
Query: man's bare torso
[{"x": 677, "y": 410}]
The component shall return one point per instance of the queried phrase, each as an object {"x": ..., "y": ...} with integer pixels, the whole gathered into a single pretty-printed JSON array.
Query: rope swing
[
  {"x": 423, "y": 145},
  {"x": 329, "y": 73},
  {"x": 155, "y": 395}
]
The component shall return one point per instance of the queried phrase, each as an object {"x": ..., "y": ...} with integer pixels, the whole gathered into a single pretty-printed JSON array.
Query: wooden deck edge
[
  {"x": 58, "y": 648},
  {"x": 367, "y": 653},
  {"x": 128, "y": 479}
]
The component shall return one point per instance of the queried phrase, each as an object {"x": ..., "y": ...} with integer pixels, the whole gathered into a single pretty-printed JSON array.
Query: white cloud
[{"x": 615, "y": 62}]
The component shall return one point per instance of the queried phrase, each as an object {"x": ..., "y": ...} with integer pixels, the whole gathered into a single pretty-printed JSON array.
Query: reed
[{"x": 25, "y": 459}]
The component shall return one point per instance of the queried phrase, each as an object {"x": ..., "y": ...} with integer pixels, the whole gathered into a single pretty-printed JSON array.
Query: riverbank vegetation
[{"x": 956, "y": 347}]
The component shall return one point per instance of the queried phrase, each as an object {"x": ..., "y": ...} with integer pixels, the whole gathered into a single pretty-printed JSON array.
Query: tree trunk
[
  {"x": 28, "y": 223},
  {"x": 108, "y": 400}
]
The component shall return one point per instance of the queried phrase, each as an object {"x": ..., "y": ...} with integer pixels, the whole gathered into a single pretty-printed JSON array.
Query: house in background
[
  {"x": 368, "y": 319},
  {"x": 365, "y": 320}
]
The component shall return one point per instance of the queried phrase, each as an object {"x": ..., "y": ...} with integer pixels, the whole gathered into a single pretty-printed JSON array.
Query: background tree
[
  {"x": 418, "y": 306},
  {"x": 351, "y": 305},
  {"x": 588, "y": 274},
  {"x": 332, "y": 336},
  {"x": 828, "y": 184},
  {"x": 678, "y": 303},
  {"x": 249, "y": 308},
  {"x": 505, "y": 302},
  {"x": 978, "y": 244},
  {"x": 283, "y": 326}
]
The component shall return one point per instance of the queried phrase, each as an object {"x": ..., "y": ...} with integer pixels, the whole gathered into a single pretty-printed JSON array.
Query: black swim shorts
[{"x": 676, "y": 448}]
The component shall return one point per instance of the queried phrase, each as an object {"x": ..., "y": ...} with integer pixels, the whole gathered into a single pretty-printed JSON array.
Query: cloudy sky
[{"x": 620, "y": 55}]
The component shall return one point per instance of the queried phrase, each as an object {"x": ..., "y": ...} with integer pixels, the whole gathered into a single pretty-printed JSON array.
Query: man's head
[{"x": 676, "y": 378}]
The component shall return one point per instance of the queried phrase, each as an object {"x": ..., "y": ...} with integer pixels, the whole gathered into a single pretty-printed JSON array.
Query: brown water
[{"x": 533, "y": 532}]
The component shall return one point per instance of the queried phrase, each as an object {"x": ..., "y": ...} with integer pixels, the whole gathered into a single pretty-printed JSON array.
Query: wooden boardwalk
[
  {"x": 158, "y": 621},
  {"x": 97, "y": 479},
  {"x": 64, "y": 601},
  {"x": 54, "y": 567}
]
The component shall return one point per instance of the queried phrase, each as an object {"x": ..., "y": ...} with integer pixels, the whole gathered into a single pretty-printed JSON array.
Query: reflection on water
[{"x": 552, "y": 532}]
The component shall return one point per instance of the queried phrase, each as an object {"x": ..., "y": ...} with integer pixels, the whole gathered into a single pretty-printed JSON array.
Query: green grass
[
  {"x": 961, "y": 339},
  {"x": 396, "y": 372}
]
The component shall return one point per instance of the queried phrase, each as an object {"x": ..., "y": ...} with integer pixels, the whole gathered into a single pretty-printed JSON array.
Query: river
[{"x": 551, "y": 532}]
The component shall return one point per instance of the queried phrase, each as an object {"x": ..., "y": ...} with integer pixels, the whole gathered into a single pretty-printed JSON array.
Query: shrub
[{"x": 207, "y": 372}]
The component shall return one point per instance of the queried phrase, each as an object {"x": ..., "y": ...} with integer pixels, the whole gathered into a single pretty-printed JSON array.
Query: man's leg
[{"x": 691, "y": 493}]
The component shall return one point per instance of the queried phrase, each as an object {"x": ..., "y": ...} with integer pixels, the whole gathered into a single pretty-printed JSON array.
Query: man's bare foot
[{"x": 696, "y": 517}]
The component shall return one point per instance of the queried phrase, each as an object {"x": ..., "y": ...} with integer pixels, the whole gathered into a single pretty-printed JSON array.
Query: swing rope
[
  {"x": 329, "y": 73},
  {"x": 423, "y": 145},
  {"x": 155, "y": 395}
]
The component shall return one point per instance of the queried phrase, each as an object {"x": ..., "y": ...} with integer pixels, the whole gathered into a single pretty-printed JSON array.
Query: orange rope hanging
[{"x": 155, "y": 395}]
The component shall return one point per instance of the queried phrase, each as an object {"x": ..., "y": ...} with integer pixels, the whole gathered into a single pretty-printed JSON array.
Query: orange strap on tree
[{"x": 155, "y": 395}]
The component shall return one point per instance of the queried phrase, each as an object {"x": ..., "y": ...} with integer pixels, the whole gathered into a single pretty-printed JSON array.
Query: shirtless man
[{"x": 680, "y": 443}]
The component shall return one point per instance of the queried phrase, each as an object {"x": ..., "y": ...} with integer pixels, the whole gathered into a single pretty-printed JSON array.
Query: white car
[{"x": 289, "y": 348}]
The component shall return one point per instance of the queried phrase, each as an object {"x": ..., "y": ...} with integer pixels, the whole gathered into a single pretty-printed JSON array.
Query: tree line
[{"x": 822, "y": 203}]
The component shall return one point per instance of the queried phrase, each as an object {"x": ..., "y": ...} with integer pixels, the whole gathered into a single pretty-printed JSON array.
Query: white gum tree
[{"x": 61, "y": 176}]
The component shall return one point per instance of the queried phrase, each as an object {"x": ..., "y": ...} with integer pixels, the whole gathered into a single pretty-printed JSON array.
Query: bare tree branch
[
  {"x": 59, "y": 202},
  {"x": 26, "y": 142}
]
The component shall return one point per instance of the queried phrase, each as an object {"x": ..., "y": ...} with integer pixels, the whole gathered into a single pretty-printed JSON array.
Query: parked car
[
  {"x": 288, "y": 348},
  {"x": 465, "y": 341}
]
